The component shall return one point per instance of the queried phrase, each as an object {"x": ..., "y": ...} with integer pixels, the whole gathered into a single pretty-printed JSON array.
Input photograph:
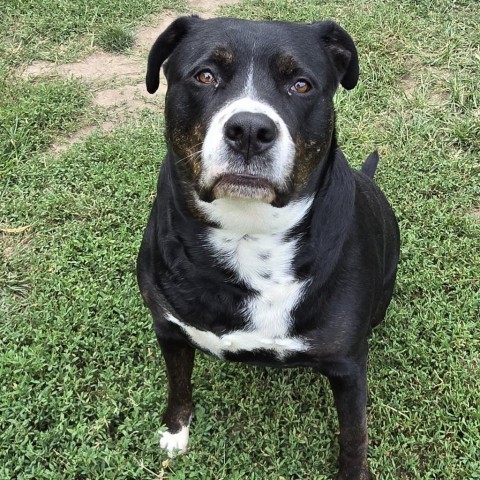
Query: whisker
[{"x": 189, "y": 156}]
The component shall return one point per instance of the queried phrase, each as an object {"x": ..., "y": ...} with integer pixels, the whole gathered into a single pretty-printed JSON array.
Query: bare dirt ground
[{"x": 118, "y": 80}]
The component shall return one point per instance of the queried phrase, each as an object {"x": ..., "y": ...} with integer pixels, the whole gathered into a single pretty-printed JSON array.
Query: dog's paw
[{"x": 175, "y": 443}]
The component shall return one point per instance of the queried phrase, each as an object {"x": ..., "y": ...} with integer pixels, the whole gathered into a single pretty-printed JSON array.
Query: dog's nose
[{"x": 250, "y": 133}]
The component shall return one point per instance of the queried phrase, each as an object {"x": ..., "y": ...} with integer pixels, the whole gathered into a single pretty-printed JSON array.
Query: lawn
[{"x": 82, "y": 382}]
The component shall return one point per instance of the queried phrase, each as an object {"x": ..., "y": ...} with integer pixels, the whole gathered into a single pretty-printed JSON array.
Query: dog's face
[{"x": 249, "y": 107}]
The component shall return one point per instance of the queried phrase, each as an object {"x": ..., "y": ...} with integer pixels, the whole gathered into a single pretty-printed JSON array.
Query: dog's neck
[
  {"x": 247, "y": 217},
  {"x": 244, "y": 216}
]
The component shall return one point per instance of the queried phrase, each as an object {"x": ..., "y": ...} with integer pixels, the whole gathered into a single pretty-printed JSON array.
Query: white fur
[
  {"x": 239, "y": 340},
  {"x": 175, "y": 442},
  {"x": 242, "y": 217},
  {"x": 249, "y": 90},
  {"x": 216, "y": 158},
  {"x": 251, "y": 241}
]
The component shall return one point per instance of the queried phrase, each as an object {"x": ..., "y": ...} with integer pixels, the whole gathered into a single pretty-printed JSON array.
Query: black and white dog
[{"x": 263, "y": 245}]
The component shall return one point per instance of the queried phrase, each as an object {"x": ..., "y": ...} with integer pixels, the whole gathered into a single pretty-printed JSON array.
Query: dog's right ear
[{"x": 164, "y": 46}]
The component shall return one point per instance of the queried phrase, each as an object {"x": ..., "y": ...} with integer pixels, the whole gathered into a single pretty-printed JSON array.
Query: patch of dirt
[
  {"x": 128, "y": 98},
  {"x": 408, "y": 84},
  {"x": 207, "y": 8},
  {"x": 13, "y": 239},
  {"x": 436, "y": 97},
  {"x": 65, "y": 143},
  {"x": 427, "y": 80},
  {"x": 475, "y": 214},
  {"x": 124, "y": 74},
  {"x": 439, "y": 98},
  {"x": 145, "y": 36},
  {"x": 96, "y": 67}
]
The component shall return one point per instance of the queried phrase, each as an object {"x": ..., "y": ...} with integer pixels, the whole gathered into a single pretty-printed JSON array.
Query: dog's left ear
[
  {"x": 164, "y": 45},
  {"x": 341, "y": 50}
]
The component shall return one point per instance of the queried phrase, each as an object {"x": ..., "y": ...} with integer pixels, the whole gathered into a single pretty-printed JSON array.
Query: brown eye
[
  {"x": 301, "y": 86},
  {"x": 205, "y": 76}
]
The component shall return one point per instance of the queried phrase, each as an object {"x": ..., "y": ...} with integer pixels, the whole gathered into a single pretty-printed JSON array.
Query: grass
[
  {"x": 60, "y": 30},
  {"x": 83, "y": 386},
  {"x": 115, "y": 39},
  {"x": 33, "y": 115}
]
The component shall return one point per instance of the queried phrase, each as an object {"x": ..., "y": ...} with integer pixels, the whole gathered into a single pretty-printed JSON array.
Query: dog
[{"x": 263, "y": 246}]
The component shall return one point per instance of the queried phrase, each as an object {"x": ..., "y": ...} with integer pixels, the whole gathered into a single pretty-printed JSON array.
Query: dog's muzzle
[{"x": 247, "y": 153}]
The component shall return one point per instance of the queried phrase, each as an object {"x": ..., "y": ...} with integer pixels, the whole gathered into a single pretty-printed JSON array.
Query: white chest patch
[{"x": 262, "y": 259}]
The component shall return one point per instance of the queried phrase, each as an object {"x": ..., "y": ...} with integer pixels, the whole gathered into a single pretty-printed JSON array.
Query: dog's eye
[
  {"x": 300, "y": 86},
  {"x": 205, "y": 76}
]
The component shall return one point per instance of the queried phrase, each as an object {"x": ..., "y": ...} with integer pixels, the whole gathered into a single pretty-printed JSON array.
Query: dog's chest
[{"x": 264, "y": 264}]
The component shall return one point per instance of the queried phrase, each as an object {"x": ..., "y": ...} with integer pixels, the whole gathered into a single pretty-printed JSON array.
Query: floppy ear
[
  {"x": 341, "y": 50},
  {"x": 164, "y": 46}
]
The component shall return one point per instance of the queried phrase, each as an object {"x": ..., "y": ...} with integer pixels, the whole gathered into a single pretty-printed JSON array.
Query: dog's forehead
[{"x": 231, "y": 40}]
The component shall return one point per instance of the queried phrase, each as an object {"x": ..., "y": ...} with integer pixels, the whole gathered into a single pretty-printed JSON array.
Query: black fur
[{"x": 370, "y": 166}]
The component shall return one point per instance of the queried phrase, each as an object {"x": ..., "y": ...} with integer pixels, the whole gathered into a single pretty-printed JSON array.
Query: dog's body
[{"x": 263, "y": 245}]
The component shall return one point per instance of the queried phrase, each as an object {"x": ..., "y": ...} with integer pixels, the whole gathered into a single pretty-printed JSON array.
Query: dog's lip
[{"x": 243, "y": 186}]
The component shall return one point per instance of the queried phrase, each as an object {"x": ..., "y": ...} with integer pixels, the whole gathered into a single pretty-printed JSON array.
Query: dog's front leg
[
  {"x": 350, "y": 393},
  {"x": 179, "y": 358}
]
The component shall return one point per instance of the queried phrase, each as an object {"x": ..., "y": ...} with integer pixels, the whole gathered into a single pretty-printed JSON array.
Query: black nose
[{"x": 250, "y": 133}]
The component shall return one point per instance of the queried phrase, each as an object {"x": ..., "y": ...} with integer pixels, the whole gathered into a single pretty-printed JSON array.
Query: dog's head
[{"x": 249, "y": 106}]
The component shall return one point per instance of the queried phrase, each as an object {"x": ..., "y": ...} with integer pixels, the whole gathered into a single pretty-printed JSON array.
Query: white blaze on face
[{"x": 218, "y": 159}]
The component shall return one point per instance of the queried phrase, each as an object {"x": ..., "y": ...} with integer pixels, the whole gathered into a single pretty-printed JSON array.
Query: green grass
[
  {"x": 33, "y": 115},
  {"x": 115, "y": 39},
  {"x": 82, "y": 382},
  {"x": 62, "y": 30}
]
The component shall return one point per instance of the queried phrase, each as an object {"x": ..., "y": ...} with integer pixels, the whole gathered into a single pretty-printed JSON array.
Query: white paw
[{"x": 175, "y": 442}]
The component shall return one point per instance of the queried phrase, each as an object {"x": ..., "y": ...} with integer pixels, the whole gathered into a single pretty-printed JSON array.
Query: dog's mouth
[{"x": 245, "y": 187}]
